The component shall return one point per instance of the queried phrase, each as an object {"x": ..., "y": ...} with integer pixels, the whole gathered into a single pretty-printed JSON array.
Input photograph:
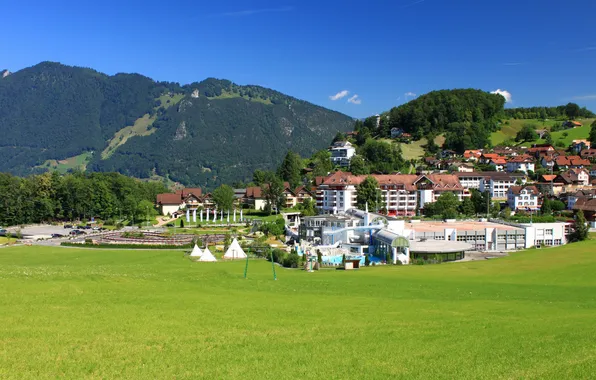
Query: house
[
  {"x": 588, "y": 154},
  {"x": 573, "y": 197},
  {"x": 572, "y": 124},
  {"x": 463, "y": 167},
  {"x": 447, "y": 153},
  {"x": 506, "y": 152},
  {"x": 498, "y": 163},
  {"x": 472, "y": 155},
  {"x": 341, "y": 153},
  {"x": 577, "y": 146},
  {"x": 432, "y": 161},
  {"x": 485, "y": 158},
  {"x": 538, "y": 149},
  {"x": 396, "y": 132},
  {"x": 574, "y": 177},
  {"x": 296, "y": 196},
  {"x": 523, "y": 163},
  {"x": 541, "y": 132},
  {"x": 255, "y": 198},
  {"x": 588, "y": 206},
  {"x": 548, "y": 162},
  {"x": 523, "y": 198},
  {"x": 567, "y": 162},
  {"x": 170, "y": 203}
]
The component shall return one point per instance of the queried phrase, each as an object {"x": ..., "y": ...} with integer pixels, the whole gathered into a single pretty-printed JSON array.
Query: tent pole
[
  {"x": 246, "y": 267},
  {"x": 273, "y": 265}
]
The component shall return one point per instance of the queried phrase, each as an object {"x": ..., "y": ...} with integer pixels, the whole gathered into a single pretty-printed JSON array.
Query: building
[
  {"x": 401, "y": 194},
  {"x": 538, "y": 150},
  {"x": 568, "y": 162},
  {"x": 572, "y": 124},
  {"x": 341, "y": 153},
  {"x": 573, "y": 197},
  {"x": 358, "y": 233},
  {"x": 523, "y": 163},
  {"x": 574, "y": 177},
  {"x": 396, "y": 132},
  {"x": 577, "y": 146},
  {"x": 497, "y": 183},
  {"x": 255, "y": 198},
  {"x": 588, "y": 207},
  {"x": 589, "y": 154},
  {"x": 472, "y": 155},
  {"x": 170, "y": 203},
  {"x": 523, "y": 198}
]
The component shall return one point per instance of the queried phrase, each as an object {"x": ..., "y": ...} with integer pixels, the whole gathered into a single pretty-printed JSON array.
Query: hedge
[{"x": 127, "y": 246}]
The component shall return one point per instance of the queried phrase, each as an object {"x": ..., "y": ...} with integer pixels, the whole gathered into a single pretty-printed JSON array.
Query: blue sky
[{"x": 372, "y": 54}]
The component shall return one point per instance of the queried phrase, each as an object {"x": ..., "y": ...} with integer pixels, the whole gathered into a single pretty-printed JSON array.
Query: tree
[
  {"x": 340, "y": 137},
  {"x": 273, "y": 189},
  {"x": 467, "y": 207},
  {"x": 358, "y": 165},
  {"x": 321, "y": 163},
  {"x": 446, "y": 205},
  {"x": 368, "y": 193},
  {"x": 258, "y": 177},
  {"x": 548, "y": 138},
  {"x": 382, "y": 156},
  {"x": 480, "y": 200},
  {"x": 308, "y": 207},
  {"x": 572, "y": 110},
  {"x": 527, "y": 133},
  {"x": 546, "y": 207},
  {"x": 431, "y": 146},
  {"x": 223, "y": 197},
  {"x": 290, "y": 169},
  {"x": 592, "y": 136},
  {"x": 581, "y": 229}
]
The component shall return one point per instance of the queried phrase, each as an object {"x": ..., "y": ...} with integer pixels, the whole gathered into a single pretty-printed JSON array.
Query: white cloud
[
  {"x": 339, "y": 95},
  {"x": 355, "y": 99},
  {"x": 409, "y": 95},
  {"x": 504, "y": 93}
]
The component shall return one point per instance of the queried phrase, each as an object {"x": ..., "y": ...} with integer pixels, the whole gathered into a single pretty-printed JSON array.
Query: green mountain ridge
[{"x": 204, "y": 133}]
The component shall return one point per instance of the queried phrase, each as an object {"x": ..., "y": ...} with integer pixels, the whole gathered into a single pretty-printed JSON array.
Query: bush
[
  {"x": 126, "y": 246},
  {"x": 291, "y": 260},
  {"x": 366, "y": 260}
]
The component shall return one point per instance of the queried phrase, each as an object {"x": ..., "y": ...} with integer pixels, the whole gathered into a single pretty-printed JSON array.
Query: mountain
[{"x": 204, "y": 133}]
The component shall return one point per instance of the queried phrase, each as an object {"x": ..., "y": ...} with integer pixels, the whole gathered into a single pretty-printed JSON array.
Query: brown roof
[
  {"x": 440, "y": 182},
  {"x": 572, "y": 175},
  {"x": 540, "y": 148},
  {"x": 253, "y": 192},
  {"x": 499, "y": 161},
  {"x": 169, "y": 199},
  {"x": 571, "y": 161},
  {"x": 196, "y": 191},
  {"x": 586, "y": 153},
  {"x": 585, "y": 204},
  {"x": 319, "y": 180},
  {"x": 522, "y": 159},
  {"x": 548, "y": 177},
  {"x": 472, "y": 153}
]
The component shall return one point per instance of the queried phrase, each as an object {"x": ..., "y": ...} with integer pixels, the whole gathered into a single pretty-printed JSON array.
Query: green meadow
[{"x": 76, "y": 313}]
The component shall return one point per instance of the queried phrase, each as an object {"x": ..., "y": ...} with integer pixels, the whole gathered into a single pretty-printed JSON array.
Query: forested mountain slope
[{"x": 204, "y": 133}]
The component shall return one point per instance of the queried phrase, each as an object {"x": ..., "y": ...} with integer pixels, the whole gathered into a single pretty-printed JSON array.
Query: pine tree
[
  {"x": 592, "y": 137},
  {"x": 581, "y": 229}
]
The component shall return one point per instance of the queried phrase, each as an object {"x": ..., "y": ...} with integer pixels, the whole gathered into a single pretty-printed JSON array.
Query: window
[{"x": 549, "y": 232}]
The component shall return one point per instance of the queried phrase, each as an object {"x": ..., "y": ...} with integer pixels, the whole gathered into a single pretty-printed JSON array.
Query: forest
[
  {"x": 570, "y": 111},
  {"x": 52, "y": 112},
  {"x": 78, "y": 196}
]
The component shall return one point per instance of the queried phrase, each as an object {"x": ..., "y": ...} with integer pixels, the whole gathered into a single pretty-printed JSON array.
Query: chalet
[
  {"x": 568, "y": 162},
  {"x": 572, "y": 124},
  {"x": 296, "y": 196},
  {"x": 506, "y": 152},
  {"x": 472, "y": 155},
  {"x": 485, "y": 158},
  {"x": 536, "y": 150},
  {"x": 498, "y": 163},
  {"x": 396, "y": 132},
  {"x": 573, "y": 197},
  {"x": 574, "y": 177},
  {"x": 523, "y": 163},
  {"x": 589, "y": 154},
  {"x": 588, "y": 206},
  {"x": 463, "y": 167},
  {"x": 255, "y": 198},
  {"x": 170, "y": 203},
  {"x": 577, "y": 146},
  {"x": 523, "y": 198}
]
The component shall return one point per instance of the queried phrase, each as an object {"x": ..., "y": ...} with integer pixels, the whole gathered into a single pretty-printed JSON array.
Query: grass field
[
  {"x": 509, "y": 131},
  {"x": 415, "y": 150},
  {"x": 141, "y": 127},
  {"x": 77, "y": 313},
  {"x": 76, "y": 162}
]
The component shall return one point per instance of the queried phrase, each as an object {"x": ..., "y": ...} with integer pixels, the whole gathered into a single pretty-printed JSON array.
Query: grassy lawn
[
  {"x": 142, "y": 314},
  {"x": 415, "y": 150},
  {"x": 141, "y": 127}
]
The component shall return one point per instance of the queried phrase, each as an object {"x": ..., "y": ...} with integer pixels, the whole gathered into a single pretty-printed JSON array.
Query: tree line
[
  {"x": 78, "y": 196},
  {"x": 570, "y": 111}
]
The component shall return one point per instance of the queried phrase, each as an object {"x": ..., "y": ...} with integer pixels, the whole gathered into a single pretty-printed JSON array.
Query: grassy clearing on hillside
[
  {"x": 62, "y": 166},
  {"x": 509, "y": 131},
  {"x": 232, "y": 95},
  {"x": 77, "y": 313},
  {"x": 141, "y": 127},
  {"x": 415, "y": 150},
  {"x": 173, "y": 100}
]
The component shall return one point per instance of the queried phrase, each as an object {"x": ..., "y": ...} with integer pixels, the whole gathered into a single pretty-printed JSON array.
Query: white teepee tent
[
  {"x": 235, "y": 251},
  {"x": 207, "y": 255},
  {"x": 196, "y": 252}
]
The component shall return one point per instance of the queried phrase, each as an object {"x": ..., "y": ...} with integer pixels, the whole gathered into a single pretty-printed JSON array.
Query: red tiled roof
[
  {"x": 472, "y": 153},
  {"x": 517, "y": 189},
  {"x": 499, "y": 161},
  {"x": 253, "y": 192},
  {"x": 571, "y": 161},
  {"x": 196, "y": 191},
  {"x": 169, "y": 199}
]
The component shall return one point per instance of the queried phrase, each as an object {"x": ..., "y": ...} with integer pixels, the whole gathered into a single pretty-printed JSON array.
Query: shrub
[
  {"x": 291, "y": 260},
  {"x": 366, "y": 260},
  {"x": 126, "y": 246}
]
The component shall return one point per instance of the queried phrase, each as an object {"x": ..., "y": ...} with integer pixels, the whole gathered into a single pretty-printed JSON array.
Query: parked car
[
  {"x": 77, "y": 232},
  {"x": 2, "y": 231},
  {"x": 170, "y": 225},
  {"x": 68, "y": 226},
  {"x": 57, "y": 236}
]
